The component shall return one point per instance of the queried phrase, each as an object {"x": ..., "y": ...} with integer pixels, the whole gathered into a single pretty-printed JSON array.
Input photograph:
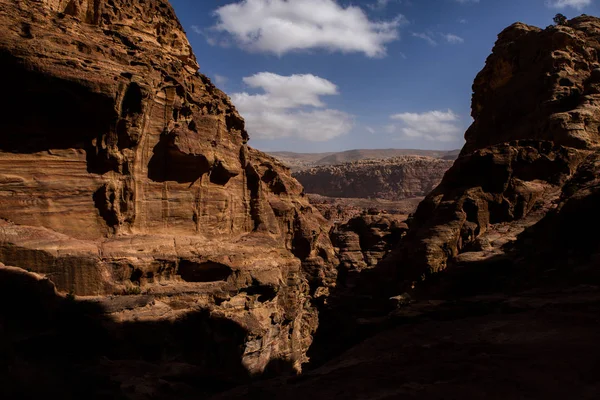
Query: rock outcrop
[
  {"x": 125, "y": 172},
  {"x": 364, "y": 241},
  {"x": 394, "y": 179},
  {"x": 522, "y": 157}
]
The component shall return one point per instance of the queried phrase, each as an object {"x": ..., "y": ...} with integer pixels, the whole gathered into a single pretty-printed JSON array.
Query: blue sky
[{"x": 326, "y": 75}]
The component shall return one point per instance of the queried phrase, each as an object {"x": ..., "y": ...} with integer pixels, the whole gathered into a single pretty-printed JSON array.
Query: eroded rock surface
[
  {"x": 364, "y": 241},
  {"x": 124, "y": 171},
  {"x": 522, "y": 156}
]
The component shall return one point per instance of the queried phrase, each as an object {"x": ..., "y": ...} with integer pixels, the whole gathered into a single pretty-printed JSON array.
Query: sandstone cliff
[
  {"x": 124, "y": 171},
  {"x": 394, "y": 178},
  {"x": 522, "y": 155}
]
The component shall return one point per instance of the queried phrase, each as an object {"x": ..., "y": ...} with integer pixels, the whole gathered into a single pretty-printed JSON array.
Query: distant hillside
[
  {"x": 392, "y": 179},
  {"x": 300, "y": 161}
]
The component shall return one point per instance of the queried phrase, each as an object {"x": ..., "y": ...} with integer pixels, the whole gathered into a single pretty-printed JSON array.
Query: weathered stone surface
[
  {"x": 560, "y": 103},
  {"x": 124, "y": 171},
  {"x": 363, "y": 241},
  {"x": 500, "y": 185},
  {"x": 520, "y": 155},
  {"x": 493, "y": 348},
  {"x": 390, "y": 179}
]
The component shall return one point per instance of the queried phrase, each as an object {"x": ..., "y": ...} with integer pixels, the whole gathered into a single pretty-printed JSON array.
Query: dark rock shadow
[
  {"x": 63, "y": 347},
  {"x": 68, "y": 115},
  {"x": 553, "y": 254},
  {"x": 170, "y": 164}
]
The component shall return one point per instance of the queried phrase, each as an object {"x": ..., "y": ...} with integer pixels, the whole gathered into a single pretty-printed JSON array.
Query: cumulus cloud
[
  {"x": 291, "y": 106},
  {"x": 442, "y": 126},
  {"x": 281, "y": 26},
  {"x": 578, "y": 4},
  {"x": 425, "y": 36},
  {"x": 453, "y": 39}
]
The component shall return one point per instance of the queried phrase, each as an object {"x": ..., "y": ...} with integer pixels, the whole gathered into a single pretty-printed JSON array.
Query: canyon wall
[
  {"x": 124, "y": 172},
  {"x": 536, "y": 117}
]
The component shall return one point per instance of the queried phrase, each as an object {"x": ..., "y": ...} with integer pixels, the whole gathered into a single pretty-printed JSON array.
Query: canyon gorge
[{"x": 147, "y": 251}]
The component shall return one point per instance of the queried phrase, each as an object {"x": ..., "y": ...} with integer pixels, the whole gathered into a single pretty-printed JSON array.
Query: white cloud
[
  {"x": 462, "y": 21},
  {"x": 578, "y": 4},
  {"x": 467, "y": 1},
  {"x": 281, "y": 26},
  {"x": 439, "y": 126},
  {"x": 426, "y": 37},
  {"x": 453, "y": 39},
  {"x": 370, "y": 130},
  {"x": 291, "y": 107}
]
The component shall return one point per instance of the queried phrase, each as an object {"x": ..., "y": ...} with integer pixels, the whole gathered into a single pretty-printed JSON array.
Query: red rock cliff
[{"x": 125, "y": 170}]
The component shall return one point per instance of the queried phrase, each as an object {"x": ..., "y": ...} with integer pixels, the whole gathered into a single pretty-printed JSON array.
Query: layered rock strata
[
  {"x": 364, "y": 241},
  {"x": 394, "y": 178},
  {"x": 124, "y": 171}
]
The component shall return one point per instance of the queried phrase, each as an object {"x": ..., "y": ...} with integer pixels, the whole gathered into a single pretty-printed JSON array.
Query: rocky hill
[
  {"x": 496, "y": 279},
  {"x": 392, "y": 179},
  {"x": 128, "y": 193},
  {"x": 301, "y": 161}
]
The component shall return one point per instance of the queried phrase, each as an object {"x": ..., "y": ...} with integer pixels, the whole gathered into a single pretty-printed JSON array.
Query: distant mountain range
[{"x": 300, "y": 161}]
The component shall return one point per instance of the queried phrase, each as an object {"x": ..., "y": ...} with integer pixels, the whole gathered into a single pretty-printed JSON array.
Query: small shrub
[{"x": 133, "y": 291}]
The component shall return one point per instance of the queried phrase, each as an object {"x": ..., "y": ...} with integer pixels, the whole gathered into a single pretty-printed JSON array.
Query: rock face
[
  {"x": 390, "y": 179},
  {"x": 522, "y": 157},
  {"x": 125, "y": 171},
  {"x": 363, "y": 241}
]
